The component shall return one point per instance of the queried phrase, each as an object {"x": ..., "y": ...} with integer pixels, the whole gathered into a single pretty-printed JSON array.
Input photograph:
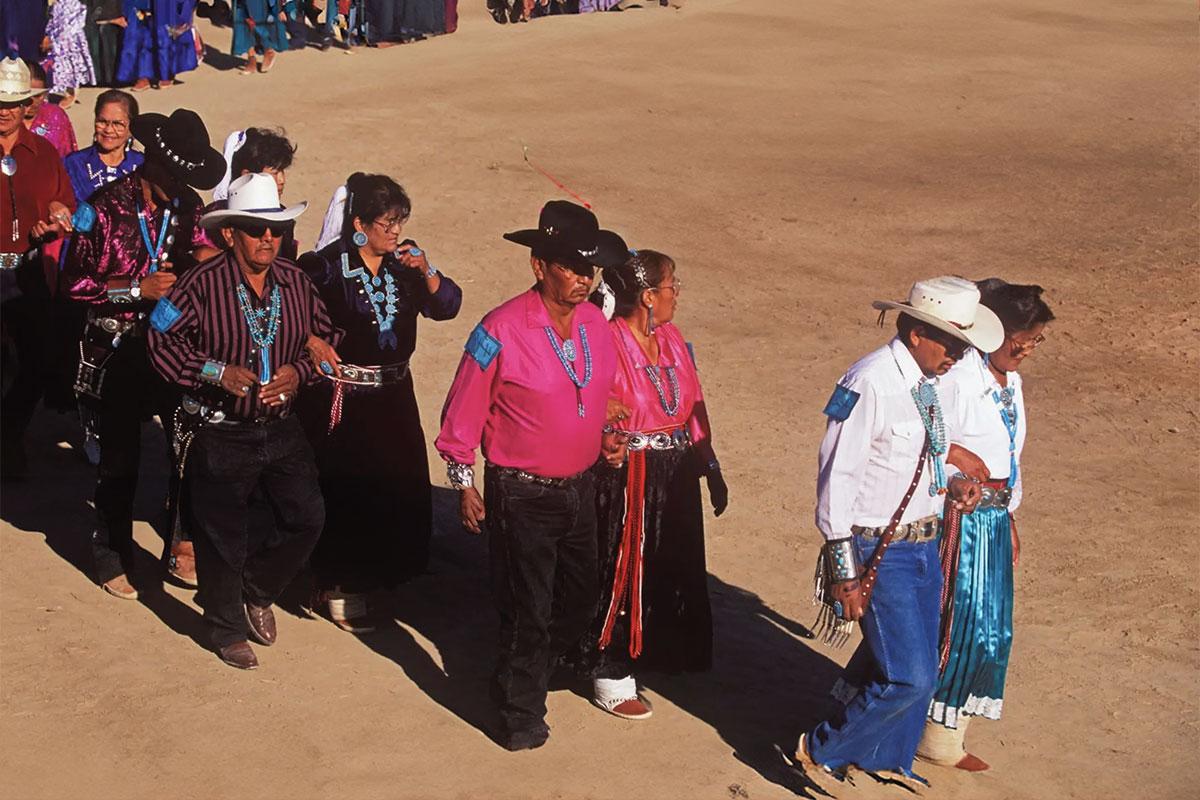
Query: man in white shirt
[{"x": 884, "y": 419}]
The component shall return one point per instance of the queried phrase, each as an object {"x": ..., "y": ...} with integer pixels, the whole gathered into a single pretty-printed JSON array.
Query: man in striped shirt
[{"x": 232, "y": 335}]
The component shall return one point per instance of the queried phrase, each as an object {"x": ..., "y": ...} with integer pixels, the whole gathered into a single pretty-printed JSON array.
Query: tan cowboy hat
[
  {"x": 252, "y": 196},
  {"x": 14, "y": 82},
  {"x": 952, "y": 305}
]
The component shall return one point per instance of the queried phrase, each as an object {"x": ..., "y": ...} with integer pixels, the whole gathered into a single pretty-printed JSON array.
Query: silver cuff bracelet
[
  {"x": 842, "y": 560},
  {"x": 121, "y": 296},
  {"x": 462, "y": 476}
]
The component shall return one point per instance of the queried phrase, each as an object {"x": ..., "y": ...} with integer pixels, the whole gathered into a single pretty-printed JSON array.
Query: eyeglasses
[
  {"x": 387, "y": 224},
  {"x": 1026, "y": 345},
  {"x": 115, "y": 124},
  {"x": 257, "y": 230},
  {"x": 675, "y": 287}
]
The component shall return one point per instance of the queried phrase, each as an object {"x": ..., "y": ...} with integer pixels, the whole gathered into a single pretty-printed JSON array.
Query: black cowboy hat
[
  {"x": 568, "y": 230},
  {"x": 181, "y": 143}
]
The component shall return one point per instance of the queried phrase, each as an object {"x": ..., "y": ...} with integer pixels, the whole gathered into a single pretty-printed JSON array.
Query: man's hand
[
  {"x": 718, "y": 492},
  {"x": 849, "y": 594},
  {"x": 282, "y": 387},
  {"x": 968, "y": 462},
  {"x": 324, "y": 358},
  {"x": 237, "y": 380},
  {"x": 1016, "y": 540},
  {"x": 614, "y": 446},
  {"x": 156, "y": 285},
  {"x": 965, "y": 493},
  {"x": 470, "y": 509},
  {"x": 57, "y": 222}
]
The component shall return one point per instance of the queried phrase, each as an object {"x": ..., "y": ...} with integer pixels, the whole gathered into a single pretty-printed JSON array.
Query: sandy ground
[{"x": 799, "y": 160}]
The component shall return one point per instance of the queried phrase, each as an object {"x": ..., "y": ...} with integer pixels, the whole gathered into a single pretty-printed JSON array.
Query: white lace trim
[{"x": 986, "y": 707}]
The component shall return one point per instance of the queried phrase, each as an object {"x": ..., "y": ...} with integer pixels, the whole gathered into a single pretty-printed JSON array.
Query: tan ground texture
[{"x": 799, "y": 159}]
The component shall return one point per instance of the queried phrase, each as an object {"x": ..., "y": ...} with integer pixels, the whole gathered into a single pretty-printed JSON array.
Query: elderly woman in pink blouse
[{"x": 654, "y": 610}]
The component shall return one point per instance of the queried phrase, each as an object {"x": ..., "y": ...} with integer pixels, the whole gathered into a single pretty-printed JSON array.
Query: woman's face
[
  {"x": 112, "y": 127},
  {"x": 664, "y": 297},
  {"x": 37, "y": 100},
  {"x": 1017, "y": 347},
  {"x": 280, "y": 176},
  {"x": 383, "y": 233}
]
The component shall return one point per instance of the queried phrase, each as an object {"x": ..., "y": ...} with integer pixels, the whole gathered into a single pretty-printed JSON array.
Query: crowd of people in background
[{"x": 144, "y": 44}]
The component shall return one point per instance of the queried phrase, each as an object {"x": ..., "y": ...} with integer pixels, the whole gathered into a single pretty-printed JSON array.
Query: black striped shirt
[{"x": 201, "y": 320}]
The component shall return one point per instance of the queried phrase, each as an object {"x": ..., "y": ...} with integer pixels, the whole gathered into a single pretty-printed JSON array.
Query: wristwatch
[{"x": 135, "y": 289}]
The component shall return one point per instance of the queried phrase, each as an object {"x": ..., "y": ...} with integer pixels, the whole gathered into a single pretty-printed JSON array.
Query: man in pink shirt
[{"x": 532, "y": 389}]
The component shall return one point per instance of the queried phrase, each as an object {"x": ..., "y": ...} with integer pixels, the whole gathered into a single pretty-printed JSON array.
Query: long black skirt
[
  {"x": 375, "y": 479},
  {"x": 676, "y": 614}
]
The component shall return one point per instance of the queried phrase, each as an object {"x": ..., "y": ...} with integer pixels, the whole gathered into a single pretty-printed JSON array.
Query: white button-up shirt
[
  {"x": 968, "y": 388},
  {"x": 867, "y": 461}
]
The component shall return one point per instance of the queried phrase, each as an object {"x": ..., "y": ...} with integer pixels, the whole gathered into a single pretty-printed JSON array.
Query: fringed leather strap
[{"x": 627, "y": 577}]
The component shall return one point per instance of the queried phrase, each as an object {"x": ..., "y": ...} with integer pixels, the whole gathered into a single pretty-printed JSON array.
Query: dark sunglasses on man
[
  {"x": 257, "y": 229},
  {"x": 954, "y": 347}
]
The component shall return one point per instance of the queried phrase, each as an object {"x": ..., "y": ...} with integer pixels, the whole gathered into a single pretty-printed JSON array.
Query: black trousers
[
  {"x": 542, "y": 546},
  {"x": 27, "y": 325},
  {"x": 236, "y": 561},
  {"x": 132, "y": 392}
]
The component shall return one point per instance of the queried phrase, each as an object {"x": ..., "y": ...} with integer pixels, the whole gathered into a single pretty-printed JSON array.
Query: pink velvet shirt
[
  {"x": 519, "y": 404},
  {"x": 636, "y": 390}
]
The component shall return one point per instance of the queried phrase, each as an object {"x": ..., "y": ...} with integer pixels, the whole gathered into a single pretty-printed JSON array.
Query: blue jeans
[{"x": 880, "y": 728}]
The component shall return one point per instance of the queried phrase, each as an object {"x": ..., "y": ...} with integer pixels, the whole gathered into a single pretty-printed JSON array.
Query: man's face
[
  {"x": 935, "y": 351},
  {"x": 256, "y": 244},
  {"x": 11, "y": 116},
  {"x": 567, "y": 283}
]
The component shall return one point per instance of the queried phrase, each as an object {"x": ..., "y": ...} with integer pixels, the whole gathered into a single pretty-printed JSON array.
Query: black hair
[
  {"x": 1019, "y": 306},
  {"x": 37, "y": 72},
  {"x": 369, "y": 197},
  {"x": 117, "y": 97},
  {"x": 264, "y": 148},
  {"x": 627, "y": 289}
]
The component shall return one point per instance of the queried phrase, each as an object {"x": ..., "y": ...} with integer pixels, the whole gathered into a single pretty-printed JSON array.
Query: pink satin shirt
[
  {"x": 513, "y": 396},
  {"x": 650, "y": 411}
]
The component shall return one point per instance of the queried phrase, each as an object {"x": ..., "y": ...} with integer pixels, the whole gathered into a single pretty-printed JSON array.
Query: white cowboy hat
[
  {"x": 14, "y": 82},
  {"x": 252, "y": 196},
  {"x": 952, "y": 305}
]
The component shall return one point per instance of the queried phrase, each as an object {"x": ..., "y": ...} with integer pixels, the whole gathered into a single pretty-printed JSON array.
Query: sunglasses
[
  {"x": 954, "y": 347},
  {"x": 579, "y": 268},
  {"x": 256, "y": 230}
]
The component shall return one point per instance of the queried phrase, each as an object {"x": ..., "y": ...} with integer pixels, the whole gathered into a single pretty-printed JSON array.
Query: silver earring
[{"x": 359, "y": 238}]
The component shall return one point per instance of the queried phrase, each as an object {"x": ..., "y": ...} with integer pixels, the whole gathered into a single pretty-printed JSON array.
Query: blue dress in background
[
  {"x": 269, "y": 33},
  {"x": 158, "y": 40},
  {"x": 88, "y": 173}
]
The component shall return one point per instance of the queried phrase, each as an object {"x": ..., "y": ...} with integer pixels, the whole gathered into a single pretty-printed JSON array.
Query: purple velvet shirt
[{"x": 114, "y": 247}]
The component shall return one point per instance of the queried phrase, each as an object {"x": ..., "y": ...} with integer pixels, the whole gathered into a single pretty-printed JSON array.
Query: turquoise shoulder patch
[
  {"x": 84, "y": 218},
  {"x": 841, "y": 403},
  {"x": 483, "y": 347},
  {"x": 164, "y": 315}
]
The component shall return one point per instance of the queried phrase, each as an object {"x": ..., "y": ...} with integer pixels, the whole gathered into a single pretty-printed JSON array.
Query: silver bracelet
[
  {"x": 120, "y": 296},
  {"x": 841, "y": 559},
  {"x": 462, "y": 476}
]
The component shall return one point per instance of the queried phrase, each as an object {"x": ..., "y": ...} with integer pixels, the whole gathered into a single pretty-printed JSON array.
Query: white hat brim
[
  {"x": 987, "y": 334},
  {"x": 16, "y": 97},
  {"x": 226, "y": 216}
]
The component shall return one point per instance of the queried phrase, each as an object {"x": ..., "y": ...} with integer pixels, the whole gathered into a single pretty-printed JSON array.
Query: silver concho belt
[
  {"x": 925, "y": 529},
  {"x": 994, "y": 498},
  {"x": 373, "y": 376},
  {"x": 662, "y": 440}
]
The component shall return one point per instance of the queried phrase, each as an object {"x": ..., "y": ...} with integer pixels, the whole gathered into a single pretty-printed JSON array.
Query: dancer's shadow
[
  {"x": 769, "y": 683},
  {"x": 221, "y": 61},
  {"x": 55, "y": 502},
  {"x": 447, "y": 610}
]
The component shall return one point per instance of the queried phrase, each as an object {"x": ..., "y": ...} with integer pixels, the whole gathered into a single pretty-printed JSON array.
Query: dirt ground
[{"x": 799, "y": 160}]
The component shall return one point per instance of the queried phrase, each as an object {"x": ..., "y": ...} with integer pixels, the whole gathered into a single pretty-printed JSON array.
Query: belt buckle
[
  {"x": 376, "y": 377},
  {"x": 525, "y": 477}
]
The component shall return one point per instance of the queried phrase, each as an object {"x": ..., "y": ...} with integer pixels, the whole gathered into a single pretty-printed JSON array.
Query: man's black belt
[{"x": 529, "y": 477}]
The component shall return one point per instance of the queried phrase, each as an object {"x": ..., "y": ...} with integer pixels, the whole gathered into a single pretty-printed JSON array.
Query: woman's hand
[
  {"x": 1016, "y": 540},
  {"x": 615, "y": 447},
  {"x": 965, "y": 493},
  {"x": 58, "y": 222},
  {"x": 618, "y": 412},
  {"x": 471, "y": 510},
  {"x": 971, "y": 464},
  {"x": 412, "y": 257},
  {"x": 718, "y": 492},
  {"x": 323, "y": 357}
]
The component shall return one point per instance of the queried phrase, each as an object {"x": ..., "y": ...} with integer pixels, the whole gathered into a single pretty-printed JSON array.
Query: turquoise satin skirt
[{"x": 981, "y": 632}]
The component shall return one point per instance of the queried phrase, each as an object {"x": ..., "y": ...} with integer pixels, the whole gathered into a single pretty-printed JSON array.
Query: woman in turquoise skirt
[
  {"x": 985, "y": 391},
  {"x": 259, "y": 24}
]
